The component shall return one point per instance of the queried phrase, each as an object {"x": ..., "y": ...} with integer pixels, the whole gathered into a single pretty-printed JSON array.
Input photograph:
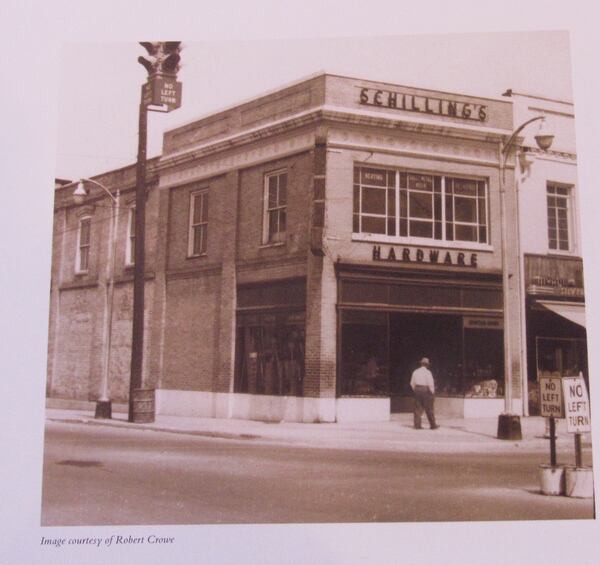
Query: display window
[
  {"x": 270, "y": 354},
  {"x": 380, "y": 350}
]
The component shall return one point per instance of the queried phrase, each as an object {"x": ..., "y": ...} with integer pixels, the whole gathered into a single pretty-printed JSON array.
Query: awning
[{"x": 572, "y": 311}]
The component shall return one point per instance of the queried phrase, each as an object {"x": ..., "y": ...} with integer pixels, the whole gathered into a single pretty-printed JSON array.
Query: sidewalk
[{"x": 454, "y": 435}]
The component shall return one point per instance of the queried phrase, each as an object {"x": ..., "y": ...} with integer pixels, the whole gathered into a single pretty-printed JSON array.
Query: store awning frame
[{"x": 572, "y": 311}]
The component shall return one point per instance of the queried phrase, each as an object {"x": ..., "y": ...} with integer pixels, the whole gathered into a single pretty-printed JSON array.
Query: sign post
[{"x": 551, "y": 406}]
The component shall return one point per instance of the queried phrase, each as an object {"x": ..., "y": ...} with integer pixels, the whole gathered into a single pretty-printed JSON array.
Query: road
[{"x": 99, "y": 475}]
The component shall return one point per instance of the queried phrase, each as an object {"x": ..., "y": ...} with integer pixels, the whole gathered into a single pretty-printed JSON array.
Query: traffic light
[
  {"x": 164, "y": 57},
  {"x": 154, "y": 50},
  {"x": 170, "y": 57}
]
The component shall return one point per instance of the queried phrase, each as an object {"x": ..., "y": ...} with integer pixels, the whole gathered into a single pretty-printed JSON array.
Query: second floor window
[
  {"x": 418, "y": 206},
  {"x": 198, "y": 230},
  {"x": 130, "y": 251},
  {"x": 557, "y": 198},
  {"x": 275, "y": 209},
  {"x": 83, "y": 244}
]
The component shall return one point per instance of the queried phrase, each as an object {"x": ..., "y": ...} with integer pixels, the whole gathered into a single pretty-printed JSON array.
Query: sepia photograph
[
  {"x": 367, "y": 284},
  {"x": 313, "y": 284}
]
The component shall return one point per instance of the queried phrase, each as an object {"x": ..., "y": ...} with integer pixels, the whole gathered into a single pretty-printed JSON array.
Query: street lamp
[
  {"x": 103, "y": 404},
  {"x": 509, "y": 424}
]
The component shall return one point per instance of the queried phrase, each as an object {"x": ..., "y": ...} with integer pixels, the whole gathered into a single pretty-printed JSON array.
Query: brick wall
[{"x": 191, "y": 331}]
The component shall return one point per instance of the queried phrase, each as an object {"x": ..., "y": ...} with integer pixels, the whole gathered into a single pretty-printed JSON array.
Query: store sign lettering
[
  {"x": 423, "y": 104},
  {"x": 432, "y": 256}
]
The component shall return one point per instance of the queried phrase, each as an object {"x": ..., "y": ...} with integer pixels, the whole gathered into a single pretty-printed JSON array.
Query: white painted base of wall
[
  {"x": 458, "y": 407},
  {"x": 270, "y": 408},
  {"x": 245, "y": 406},
  {"x": 363, "y": 409}
]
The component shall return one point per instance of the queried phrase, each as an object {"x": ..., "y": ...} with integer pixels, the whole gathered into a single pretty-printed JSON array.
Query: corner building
[{"x": 311, "y": 245}]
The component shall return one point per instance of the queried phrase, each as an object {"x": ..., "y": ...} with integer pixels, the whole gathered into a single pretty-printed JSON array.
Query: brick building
[{"x": 304, "y": 250}]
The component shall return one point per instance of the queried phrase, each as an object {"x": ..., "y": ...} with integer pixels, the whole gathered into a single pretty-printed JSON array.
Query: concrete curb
[{"x": 385, "y": 436}]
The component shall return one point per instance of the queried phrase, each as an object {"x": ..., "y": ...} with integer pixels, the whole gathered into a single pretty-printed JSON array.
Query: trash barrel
[
  {"x": 509, "y": 427},
  {"x": 143, "y": 405}
]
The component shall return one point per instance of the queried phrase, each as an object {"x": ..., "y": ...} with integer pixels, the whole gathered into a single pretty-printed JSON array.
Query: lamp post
[
  {"x": 103, "y": 404},
  {"x": 509, "y": 424}
]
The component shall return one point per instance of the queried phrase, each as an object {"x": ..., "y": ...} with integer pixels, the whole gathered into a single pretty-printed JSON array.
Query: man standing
[{"x": 424, "y": 388}]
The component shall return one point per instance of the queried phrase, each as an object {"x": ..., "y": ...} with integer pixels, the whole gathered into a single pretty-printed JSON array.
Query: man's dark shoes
[{"x": 435, "y": 427}]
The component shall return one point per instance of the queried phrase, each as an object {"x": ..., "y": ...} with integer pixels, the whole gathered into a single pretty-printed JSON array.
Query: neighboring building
[
  {"x": 553, "y": 320},
  {"x": 305, "y": 250}
]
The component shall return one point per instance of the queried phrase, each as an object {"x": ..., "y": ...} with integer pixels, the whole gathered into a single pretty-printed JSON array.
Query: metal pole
[
  {"x": 578, "y": 458},
  {"x": 103, "y": 407},
  {"x": 509, "y": 425},
  {"x": 552, "y": 441},
  {"x": 505, "y": 289},
  {"x": 137, "y": 340}
]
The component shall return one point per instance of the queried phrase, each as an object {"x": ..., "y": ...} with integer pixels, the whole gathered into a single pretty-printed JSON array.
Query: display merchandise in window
[{"x": 271, "y": 359}]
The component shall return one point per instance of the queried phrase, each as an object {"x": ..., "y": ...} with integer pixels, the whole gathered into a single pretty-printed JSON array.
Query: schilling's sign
[
  {"x": 432, "y": 256},
  {"x": 422, "y": 104}
]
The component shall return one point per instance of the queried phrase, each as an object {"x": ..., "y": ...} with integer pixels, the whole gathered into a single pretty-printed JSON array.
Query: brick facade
[{"x": 315, "y": 131}]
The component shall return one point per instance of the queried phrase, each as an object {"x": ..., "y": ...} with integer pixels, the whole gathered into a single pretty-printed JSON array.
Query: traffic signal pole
[
  {"x": 137, "y": 344},
  {"x": 160, "y": 93}
]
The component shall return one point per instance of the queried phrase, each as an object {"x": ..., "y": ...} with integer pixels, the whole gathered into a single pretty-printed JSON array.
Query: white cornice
[{"x": 337, "y": 114}]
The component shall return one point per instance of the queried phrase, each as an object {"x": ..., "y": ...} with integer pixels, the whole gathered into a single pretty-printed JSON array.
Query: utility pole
[{"x": 160, "y": 93}]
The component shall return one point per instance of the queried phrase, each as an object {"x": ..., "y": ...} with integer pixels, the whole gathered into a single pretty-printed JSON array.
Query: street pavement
[{"x": 124, "y": 474}]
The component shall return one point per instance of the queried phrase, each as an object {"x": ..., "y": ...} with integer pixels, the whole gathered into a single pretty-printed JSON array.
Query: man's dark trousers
[{"x": 423, "y": 401}]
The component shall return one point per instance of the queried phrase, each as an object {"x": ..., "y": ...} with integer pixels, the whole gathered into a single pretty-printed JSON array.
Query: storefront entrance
[
  {"x": 557, "y": 348},
  {"x": 380, "y": 350}
]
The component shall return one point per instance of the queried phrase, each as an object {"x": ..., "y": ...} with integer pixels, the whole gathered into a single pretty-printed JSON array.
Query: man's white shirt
[{"x": 422, "y": 377}]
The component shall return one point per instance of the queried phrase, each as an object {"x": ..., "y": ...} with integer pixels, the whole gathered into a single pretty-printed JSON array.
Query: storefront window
[
  {"x": 484, "y": 363},
  {"x": 364, "y": 366},
  {"x": 380, "y": 350},
  {"x": 415, "y": 205},
  {"x": 270, "y": 356},
  {"x": 560, "y": 357}
]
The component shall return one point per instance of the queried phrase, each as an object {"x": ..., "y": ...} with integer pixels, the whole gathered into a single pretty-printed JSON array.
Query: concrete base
[
  {"x": 552, "y": 480},
  {"x": 245, "y": 406},
  {"x": 363, "y": 410},
  {"x": 579, "y": 482},
  {"x": 459, "y": 406},
  {"x": 103, "y": 410},
  {"x": 271, "y": 408}
]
